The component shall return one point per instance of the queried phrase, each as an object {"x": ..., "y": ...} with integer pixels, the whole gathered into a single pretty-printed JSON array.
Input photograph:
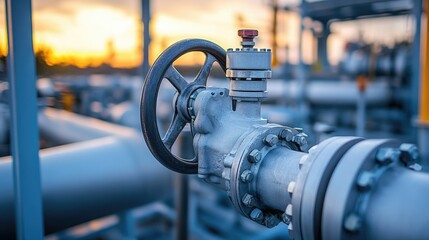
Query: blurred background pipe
[{"x": 91, "y": 179}]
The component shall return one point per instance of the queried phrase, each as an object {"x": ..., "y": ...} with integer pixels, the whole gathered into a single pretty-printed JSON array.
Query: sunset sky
[{"x": 82, "y": 31}]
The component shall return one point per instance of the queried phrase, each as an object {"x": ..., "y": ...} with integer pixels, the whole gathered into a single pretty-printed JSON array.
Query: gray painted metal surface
[
  {"x": 23, "y": 116},
  {"x": 89, "y": 179},
  {"x": 146, "y": 14}
]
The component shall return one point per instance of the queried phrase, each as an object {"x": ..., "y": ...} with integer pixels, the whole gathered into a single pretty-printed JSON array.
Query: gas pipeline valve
[
  {"x": 335, "y": 191},
  {"x": 231, "y": 140}
]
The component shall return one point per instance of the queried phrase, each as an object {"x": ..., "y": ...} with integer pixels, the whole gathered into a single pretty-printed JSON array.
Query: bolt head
[
  {"x": 246, "y": 176},
  {"x": 255, "y": 156},
  {"x": 365, "y": 181},
  {"x": 249, "y": 200},
  {"x": 409, "y": 153},
  {"x": 385, "y": 156},
  {"x": 285, "y": 219},
  {"x": 353, "y": 223},
  {"x": 271, "y": 140},
  {"x": 257, "y": 215},
  {"x": 300, "y": 130},
  {"x": 300, "y": 139},
  {"x": 286, "y": 134},
  {"x": 271, "y": 221}
]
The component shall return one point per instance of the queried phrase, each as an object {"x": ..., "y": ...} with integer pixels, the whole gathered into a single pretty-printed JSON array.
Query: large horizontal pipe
[
  {"x": 91, "y": 179},
  {"x": 333, "y": 93},
  {"x": 324, "y": 92},
  {"x": 398, "y": 208},
  {"x": 64, "y": 127},
  {"x": 88, "y": 180},
  {"x": 275, "y": 174}
]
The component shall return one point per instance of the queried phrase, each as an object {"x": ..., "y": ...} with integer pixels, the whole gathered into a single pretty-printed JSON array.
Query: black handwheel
[{"x": 163, "y": 68}]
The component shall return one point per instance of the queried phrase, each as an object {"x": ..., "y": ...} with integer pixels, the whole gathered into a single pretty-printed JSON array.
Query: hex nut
[
  {"x": 271, "y": 221},
  {"x": 286, "y": 134},
  {"x": 365, "y": 181},
  {"x": 353, "y": 223},
  {"x": 300, "y": 130},
  {"x": 409, "y": 153},
  {"x": 246, "y": 176},
  {"x": 385, "y": 156},
  {"x": 254, "y": 156},
  {"x": 300, "y": 139},
  {"x": 249, "y": 200},
  {"x": 257, "y": 215},
  {"x": 271, "y": 140},
  {"x": 285, "y": 219}
]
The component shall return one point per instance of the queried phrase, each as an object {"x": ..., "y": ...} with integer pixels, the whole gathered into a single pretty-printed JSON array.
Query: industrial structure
[{"x": 257, "y": 153}]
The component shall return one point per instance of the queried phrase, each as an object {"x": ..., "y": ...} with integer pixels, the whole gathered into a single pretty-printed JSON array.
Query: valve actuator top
[
  {"x": 247, "y": 36},
  {"x": 248, "y": 57},
  {"x": 248, "y": 68}
]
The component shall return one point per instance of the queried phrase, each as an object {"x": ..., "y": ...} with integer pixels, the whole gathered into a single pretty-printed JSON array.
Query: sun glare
[{"x": 91, "y": 36}]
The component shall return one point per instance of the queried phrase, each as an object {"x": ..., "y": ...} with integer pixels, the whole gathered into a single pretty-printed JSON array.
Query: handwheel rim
[{"x": 162, "y": 66}]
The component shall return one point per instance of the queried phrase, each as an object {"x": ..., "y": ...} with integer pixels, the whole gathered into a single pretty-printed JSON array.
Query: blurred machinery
[{"x": 373, "y": 89}]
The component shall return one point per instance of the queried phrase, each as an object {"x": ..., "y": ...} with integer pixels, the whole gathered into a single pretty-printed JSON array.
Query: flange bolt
[{"x": 257, "y": 215}]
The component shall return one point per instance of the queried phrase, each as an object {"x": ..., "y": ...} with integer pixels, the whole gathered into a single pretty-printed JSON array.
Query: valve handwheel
[{"x": 163, "y": 68}]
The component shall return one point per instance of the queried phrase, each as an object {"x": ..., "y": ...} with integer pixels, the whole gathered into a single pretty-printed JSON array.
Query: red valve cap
[{"x": 247, "y": 33}]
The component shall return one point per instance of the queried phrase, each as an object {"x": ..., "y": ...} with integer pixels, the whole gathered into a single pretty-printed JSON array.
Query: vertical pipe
[
  {"x": 322, "y": 47},
  {"x": 182, "y": 188},
  {"x": 23, "y": 112},
  {"x": 361, "y": 114},
  {"x": 424, "y": 93},
  {"x": 415, "y": 80},
  {"x": 146, "y": 37},
  {"x": 275, "y": 7},
  {"x": 182, "y": 202},
  {"x": 361, "y": 106}
]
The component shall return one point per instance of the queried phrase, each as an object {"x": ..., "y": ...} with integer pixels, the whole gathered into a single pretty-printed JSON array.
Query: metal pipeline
[
  {"x": 87, "y": 180},
  {"x": 64, "y": 127},
  {"x": 397, "y": 208},
  {"x": 326, "y": 92},
  {"x": 275, "y": 174},
  {"x": 332, "y": 93}
]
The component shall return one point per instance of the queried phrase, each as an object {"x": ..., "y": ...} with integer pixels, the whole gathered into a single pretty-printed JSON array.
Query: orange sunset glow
[{"x": 89, "y": 33}]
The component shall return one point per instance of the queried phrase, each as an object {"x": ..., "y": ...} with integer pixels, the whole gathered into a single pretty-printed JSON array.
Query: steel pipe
[
  {"x": 399, "y": 199},
  {"x": 275, "y": 174},
  {"x": 332, "y": 93},
  {"x": 88, "y": 180},
  {"x": 64, "y": 127},
  {"x": 111, "y": 171}
]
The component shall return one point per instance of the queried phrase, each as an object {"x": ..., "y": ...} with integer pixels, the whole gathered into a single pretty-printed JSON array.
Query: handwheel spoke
[
  {"x": 205, "y": 70},
  {"x": 173, "y": 131},
  {"x": 175, "y": 78}
]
